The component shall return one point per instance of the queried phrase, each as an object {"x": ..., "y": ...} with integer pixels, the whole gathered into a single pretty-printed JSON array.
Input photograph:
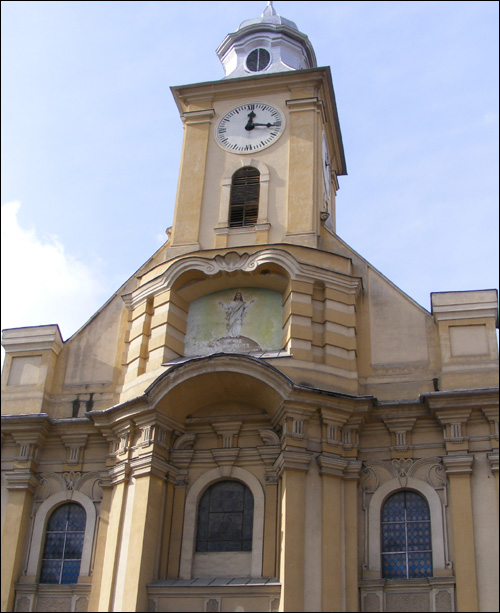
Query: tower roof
[
  {"x": 270, "y": 16},
  {"x": 269, "y": 43}
]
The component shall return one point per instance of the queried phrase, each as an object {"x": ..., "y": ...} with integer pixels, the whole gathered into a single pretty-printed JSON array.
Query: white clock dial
[{"x": 250, "y": 127}]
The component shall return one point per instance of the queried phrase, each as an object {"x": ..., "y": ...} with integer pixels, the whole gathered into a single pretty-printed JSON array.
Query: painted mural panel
[{"x": 235, "y": 321}]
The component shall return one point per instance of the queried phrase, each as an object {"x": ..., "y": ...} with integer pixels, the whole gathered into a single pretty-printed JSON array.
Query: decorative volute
[{"x": 265, "y": 45}]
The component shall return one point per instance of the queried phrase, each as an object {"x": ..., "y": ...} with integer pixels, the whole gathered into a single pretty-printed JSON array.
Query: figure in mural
[{"x": 235, "y": 314}]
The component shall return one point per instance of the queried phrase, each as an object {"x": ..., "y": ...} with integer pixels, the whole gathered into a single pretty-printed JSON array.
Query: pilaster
[
  {"x": 21, "y": 485},
  {"x": 292, "y": 466},
  {"x": 142, "y": 566},
  {"x": 186, "y": 226},
  {"x": 331, "y": 471},
  {"x": 302, "y": 225},
  {"x": 459, "y": 470},
  {"x": 351, "y": 478}
]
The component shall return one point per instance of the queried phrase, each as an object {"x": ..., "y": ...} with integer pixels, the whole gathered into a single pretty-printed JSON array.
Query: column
[
  {"x": 293, "y": 466},
  {"x": 21, "y": 484},
  {"x": 459, "y": 470}
]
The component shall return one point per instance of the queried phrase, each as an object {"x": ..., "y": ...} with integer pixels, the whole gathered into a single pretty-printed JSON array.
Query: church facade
[{"x": 258, "y": 420}]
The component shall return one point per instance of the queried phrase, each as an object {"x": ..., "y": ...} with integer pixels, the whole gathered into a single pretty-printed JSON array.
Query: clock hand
[
  {"x": 266, "y": 125},
  {"x": 250, "y": 125}
]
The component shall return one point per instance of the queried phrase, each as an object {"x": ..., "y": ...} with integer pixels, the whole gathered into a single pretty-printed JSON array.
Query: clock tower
[{"x": 262, "y": 147}]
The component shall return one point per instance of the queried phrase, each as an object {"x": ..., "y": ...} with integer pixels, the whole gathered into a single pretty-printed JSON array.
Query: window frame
[
  {"x": 39, "y": 527},
  {"x": 437, "y": 522}
]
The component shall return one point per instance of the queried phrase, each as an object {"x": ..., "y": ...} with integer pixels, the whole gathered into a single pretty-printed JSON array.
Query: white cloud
[{"x": 41, "y": 282}]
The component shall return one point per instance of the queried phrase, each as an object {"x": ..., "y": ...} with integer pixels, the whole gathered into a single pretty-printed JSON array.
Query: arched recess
[
  {"x": 226, "y": 191},
  {"x": 41, "y": 518},
  {"x": 436, "y": 513},
  {"x": 221, "y": 380},
  {"x": 190, "y": 516}
]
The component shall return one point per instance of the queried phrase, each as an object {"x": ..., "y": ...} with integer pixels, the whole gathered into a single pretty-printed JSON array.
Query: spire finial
[{"x": 270, "y": 9}]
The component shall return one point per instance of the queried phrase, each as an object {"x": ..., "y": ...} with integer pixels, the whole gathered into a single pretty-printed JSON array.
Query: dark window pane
[
  {"x": 394, "y": 566},
  {"x": 51, "y": 571},
  {"x": 71, "y": 570},
  {"x": 416, "y": 507},
  {"x": 258, "y": 60},
  {"x": 393, "y": 537},
  {"x": 246, "y": 546},
  {"x": 74, "y": 546},
  {"x": 420, "y": 565},
  {"x": 54, "y": 546},
  {"x": 225, "y": 518},
  {"x": 227, "y": 496},
  {"x": 77, "y": 518},
  {"x": 419, "y": 536},
  {"x": 394, "y": 508},
  {"x": 59, "y": 519},
  {"x": 225, "y": 526}
]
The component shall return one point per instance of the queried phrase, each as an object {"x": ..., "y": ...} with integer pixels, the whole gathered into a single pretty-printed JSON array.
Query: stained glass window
[
  {"x": 406, "y": 537},
  {"x": 62, "y": 553},
  {"x": 225, "y": 518}
]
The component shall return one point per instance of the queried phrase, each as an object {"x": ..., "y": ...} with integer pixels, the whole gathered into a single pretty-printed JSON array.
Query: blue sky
[{"x": 91, "y": 139}]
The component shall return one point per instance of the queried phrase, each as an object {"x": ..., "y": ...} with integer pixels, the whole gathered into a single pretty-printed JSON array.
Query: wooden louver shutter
[{"x": 244, "y": 204}]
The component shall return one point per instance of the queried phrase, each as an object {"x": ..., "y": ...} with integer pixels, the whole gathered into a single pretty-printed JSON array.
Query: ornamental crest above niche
[{"x": 242, "y": 320}]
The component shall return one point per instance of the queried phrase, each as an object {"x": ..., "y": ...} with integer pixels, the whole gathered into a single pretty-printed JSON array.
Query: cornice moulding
[{"x": 36, "y": 338}]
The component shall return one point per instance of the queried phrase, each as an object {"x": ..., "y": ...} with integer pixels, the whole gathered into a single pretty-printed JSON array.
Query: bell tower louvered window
[{"x": 244, "y": 203}]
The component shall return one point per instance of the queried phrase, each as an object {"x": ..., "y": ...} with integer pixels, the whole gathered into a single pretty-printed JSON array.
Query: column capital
[
  {"x": 150, "y": 464},
  {"x": 458, "y": 464},
  {"x": 331, "y": 465},
  {"x": 353, "y": 470},
  {"x": 493, "y": 460},
  {"x": 21, "y": 479},
  {"x": 293, "y": 460}
]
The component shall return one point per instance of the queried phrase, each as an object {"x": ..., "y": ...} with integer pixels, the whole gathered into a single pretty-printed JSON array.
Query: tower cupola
[{"x": 264, "y": 45}]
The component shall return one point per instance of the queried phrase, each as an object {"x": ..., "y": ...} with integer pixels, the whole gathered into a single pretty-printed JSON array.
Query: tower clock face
[{"x": 250, "y": 127}]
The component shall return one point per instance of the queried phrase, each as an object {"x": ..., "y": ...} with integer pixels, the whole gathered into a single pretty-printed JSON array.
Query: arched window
[
  {"x": 244, "y": 202},
  {"x": 406, "y": 537},
  {"x": 225, "y": 518},
  {"x": 62, "y": 553}
]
